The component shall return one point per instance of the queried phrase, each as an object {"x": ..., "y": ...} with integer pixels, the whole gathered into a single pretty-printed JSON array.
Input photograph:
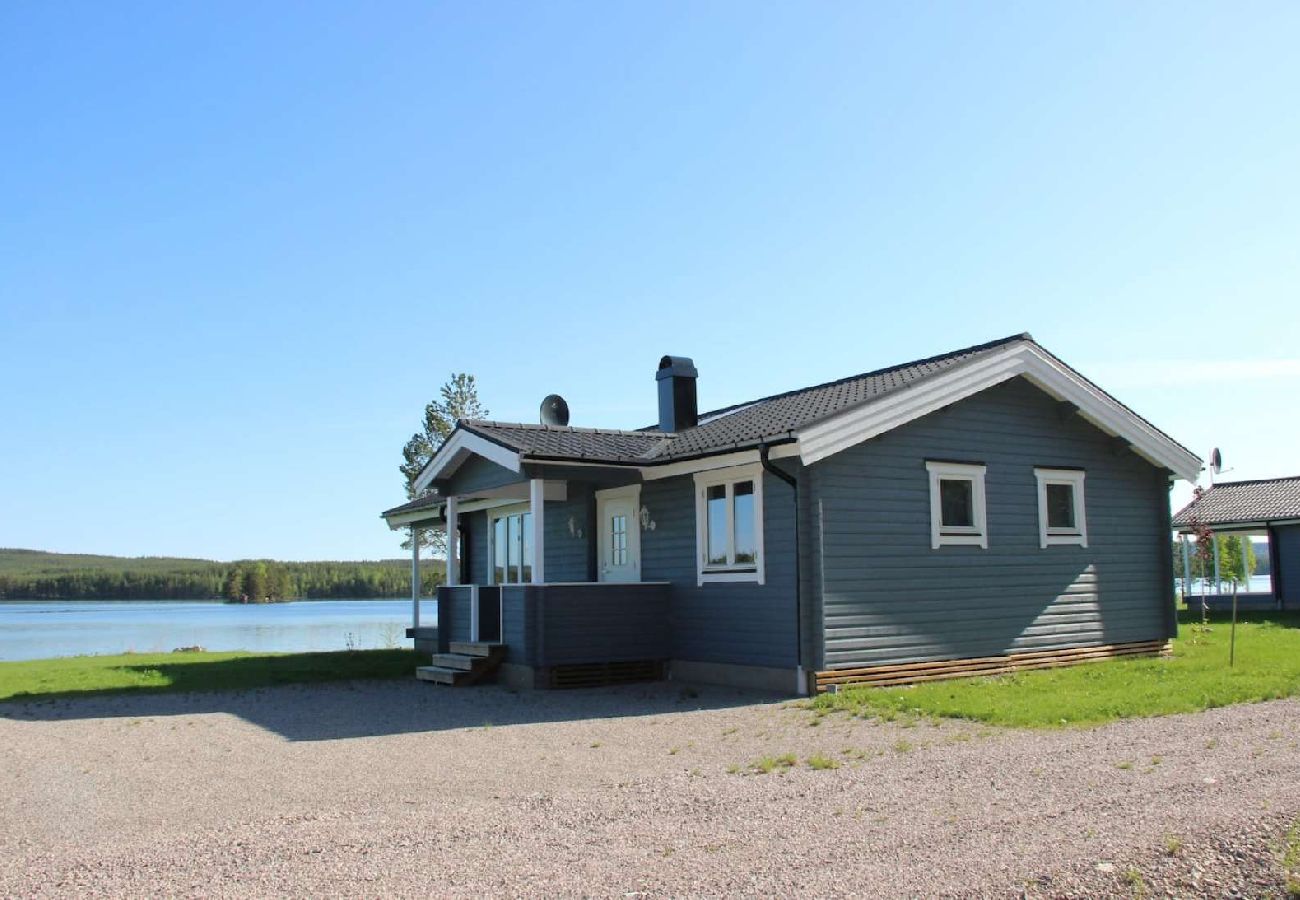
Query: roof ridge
[
  {"x": 976, "y": 348},
  {"x": 492, "y": 423}
]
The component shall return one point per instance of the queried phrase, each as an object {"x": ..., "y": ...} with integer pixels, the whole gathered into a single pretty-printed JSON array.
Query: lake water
[
  {"x": 38, "y": 629},
  {"x": 1261, "y": 584}
]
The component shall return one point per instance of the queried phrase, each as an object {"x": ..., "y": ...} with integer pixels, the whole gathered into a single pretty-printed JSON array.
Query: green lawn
[
  {"x": 86, "y": 675},
  {"x": 1197, "y": 677}
]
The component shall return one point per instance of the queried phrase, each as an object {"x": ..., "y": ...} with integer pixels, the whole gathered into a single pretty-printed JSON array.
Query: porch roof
[{"x": 1245, "y": 502}]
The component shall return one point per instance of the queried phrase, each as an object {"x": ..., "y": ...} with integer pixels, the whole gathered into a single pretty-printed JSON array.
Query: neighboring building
[
  {"x": 1268, "y": 508},
  {"x": 987, "y": 502}
]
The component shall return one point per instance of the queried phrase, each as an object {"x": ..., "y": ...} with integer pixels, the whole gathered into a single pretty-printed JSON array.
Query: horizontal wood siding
[
  {"x": 453, "y": 615},
  {"x": 518, "y": 625},
  {"x": 888, "y": 597},
  {"x": 570, "y": 535},
  {"x": 480, "y": 565},
  {"x": 479, "y": 474},
  {"x": 742, "y": 624}
]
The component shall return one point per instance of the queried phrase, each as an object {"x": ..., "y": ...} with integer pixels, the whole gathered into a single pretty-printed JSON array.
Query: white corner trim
[
  {"x": 1077, "y": 536},
  {"x": 706, "y": 479},
  {"x": 865, "y": 422},
  {"x": 457, "y": 448},
  {"x": 976, "y": 535}
]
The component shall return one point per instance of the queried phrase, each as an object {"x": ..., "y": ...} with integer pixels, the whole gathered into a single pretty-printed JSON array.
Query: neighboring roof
[
  {"x": 1240, "y": 502},
  {"x": 740, "y": 426}
]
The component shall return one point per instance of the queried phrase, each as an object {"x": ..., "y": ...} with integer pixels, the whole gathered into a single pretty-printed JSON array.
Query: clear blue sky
[{"x": 241, "y": 245}]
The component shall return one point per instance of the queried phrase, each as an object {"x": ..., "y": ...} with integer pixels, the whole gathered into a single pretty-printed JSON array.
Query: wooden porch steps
[{"x": 465, "y": 664}]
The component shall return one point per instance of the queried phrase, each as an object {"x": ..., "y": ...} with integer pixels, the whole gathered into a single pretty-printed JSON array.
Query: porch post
[
  {"x": 1218, "y": 585},
  {"x": 537, "y": 503},
  {"x": 415, "y": 577},
  {"x": 1187, "y": 571},
  {"x": 453, "y": 544}
]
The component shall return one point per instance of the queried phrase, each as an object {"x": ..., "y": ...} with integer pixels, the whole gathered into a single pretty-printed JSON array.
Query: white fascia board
[
  {"x": 723, "y": 461},
  {"x": 1108, "y": 415},
  {"x": 430, "y": 516},
  {"x": 855, "y": 426},
  {"x": 865, "y": 422},
  {"x": 460, "y": 446}
]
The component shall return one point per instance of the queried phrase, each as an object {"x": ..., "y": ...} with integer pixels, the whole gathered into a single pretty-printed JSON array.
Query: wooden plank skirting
[{"x": 912, "y": 673}]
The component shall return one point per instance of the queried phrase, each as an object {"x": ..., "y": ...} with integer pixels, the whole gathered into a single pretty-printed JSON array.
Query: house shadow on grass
[{"x": 284, "y": 703}]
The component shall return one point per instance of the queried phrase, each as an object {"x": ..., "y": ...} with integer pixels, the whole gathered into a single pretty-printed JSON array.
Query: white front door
[{"x": 619, "y": 533}]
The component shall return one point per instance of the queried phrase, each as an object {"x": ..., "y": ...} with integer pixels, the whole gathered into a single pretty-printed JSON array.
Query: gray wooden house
[
  {"x": 1268, "y": 508},
  {"x": 977, "y": 510}
]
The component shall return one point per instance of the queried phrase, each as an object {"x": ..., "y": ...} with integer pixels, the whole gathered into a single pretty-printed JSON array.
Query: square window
[
  {"x": 1062, "y": 518},
  {"x": 957, "y": 511}
]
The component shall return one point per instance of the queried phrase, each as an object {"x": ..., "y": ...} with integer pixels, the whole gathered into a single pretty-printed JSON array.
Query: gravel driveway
[{"x": 382, "y": 788}]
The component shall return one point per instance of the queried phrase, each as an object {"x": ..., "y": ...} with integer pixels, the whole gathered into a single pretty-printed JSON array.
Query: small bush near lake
[
  {"x": 86, "y": 675},
  {"x": 1196, "y": 677}
]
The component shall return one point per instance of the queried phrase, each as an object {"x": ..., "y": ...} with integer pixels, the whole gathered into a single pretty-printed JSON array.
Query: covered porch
[{"x": 593, "y": 621}]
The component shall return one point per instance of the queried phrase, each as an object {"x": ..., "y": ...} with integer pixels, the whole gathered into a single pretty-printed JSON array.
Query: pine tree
[{"x": 458, "y": 399}]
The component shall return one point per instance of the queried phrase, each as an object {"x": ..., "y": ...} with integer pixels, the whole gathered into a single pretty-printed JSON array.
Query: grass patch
[
  {"x": 821, "y": 763},
  {"x": 768, "y": 764},
  {"x": 1197, "y": 677},
  {"x": 81, "y": 676},
  {"x": 1291, "y": 860}
]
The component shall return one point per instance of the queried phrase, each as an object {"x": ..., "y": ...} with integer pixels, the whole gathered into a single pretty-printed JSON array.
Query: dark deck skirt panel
[
  {"x": 1001, "y": 664},
  {"x": 547, "y": 625}
]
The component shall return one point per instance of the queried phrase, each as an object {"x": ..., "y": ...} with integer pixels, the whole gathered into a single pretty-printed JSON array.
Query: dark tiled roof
[
  {"x": 1245, "y": 501},
  {"x": 555, "y": 442},
  {"x": 428, "y": 501},
  {"x": 744, "y": 425}
]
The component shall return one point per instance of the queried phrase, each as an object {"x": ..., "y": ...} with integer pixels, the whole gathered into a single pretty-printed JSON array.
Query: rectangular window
[
  {"x": 729, "y": 524},
  {"x": 499, "y": 546},
  {"x": 1061, "y": 515},
  {"x": 957, "y": 511},
  {"x": 512, "y": 548}
]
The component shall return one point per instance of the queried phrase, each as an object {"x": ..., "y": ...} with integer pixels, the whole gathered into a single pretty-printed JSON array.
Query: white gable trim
[
  {"x": 863, "y": 423},
  {"x": 458, "y": 448}
]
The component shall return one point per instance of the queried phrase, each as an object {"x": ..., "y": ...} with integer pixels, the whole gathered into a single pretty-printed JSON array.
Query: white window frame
[
  {"x": 504, "y": 512},
  {"x": 1077, "y": 536},
  {"x": 731, "y": 476},
  {"x": 974, "y": 535}
]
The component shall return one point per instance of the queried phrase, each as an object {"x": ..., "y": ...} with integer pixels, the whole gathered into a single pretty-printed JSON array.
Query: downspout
[{"x": 802, "y": 685}]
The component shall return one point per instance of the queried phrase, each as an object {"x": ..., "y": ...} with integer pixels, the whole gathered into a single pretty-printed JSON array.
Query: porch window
[
  {"x": 1062, "y": 518},
  {"x": 729, "y": 524},
  {"x": 957, "y": 511},
  {"x": 511, "y": 551}
]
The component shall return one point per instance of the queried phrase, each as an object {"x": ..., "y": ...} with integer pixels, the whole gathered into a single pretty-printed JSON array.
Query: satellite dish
[
  {"x": 555, "y": 411},
  {"x": 1216, "y": 460}
]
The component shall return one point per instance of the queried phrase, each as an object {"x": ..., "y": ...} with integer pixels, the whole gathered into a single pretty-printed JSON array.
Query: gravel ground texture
[{"x": 404, "y": 788}]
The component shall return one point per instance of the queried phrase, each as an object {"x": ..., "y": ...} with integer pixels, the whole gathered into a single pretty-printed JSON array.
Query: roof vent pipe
[{"x": 677, "y": 406}]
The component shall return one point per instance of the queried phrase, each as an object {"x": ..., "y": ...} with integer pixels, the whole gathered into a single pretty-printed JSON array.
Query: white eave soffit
[
  {"x": 459, "y": 447},
  {"x": 857, "y": 425}
]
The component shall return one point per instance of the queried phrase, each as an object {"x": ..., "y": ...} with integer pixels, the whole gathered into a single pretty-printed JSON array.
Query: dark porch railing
[{"x": 545, "y": 625}]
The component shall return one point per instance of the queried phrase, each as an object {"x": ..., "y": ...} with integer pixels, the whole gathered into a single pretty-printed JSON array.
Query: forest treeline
[{"x": 36, "y": 575}]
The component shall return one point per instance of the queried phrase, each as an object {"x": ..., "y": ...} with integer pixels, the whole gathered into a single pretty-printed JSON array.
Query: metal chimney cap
[{"x": 676, "y": 367}]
